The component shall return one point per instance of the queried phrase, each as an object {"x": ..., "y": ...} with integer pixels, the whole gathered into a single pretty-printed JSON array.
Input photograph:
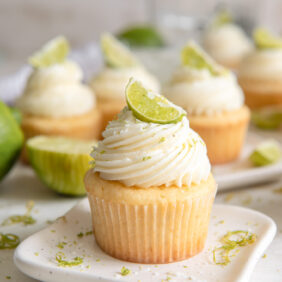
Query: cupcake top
[
  {"x": 139, "y": 149},
  {"x": 201, "y": 86},
  {"x": 120, "y": 66},
  {"x": 225, "y": 41},
  {"x": 265, "y": 62},
  {"x": 54, "y": 88}
]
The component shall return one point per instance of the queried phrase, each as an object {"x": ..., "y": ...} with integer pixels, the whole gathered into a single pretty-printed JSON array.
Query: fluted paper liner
[{"x": 159, "y": 232}]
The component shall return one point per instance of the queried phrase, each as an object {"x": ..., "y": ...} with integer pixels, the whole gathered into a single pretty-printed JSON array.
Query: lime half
[
  {"x": 266, "y": 153},
  {"x": 116, "y": 55},
  {"x": 149, "y": 106},
  {"x": 265, "y": 40},
  {"x": 60, "y": 163},
  {"x": 53, "y": 52},
  {"x": 193, "y": 56}
]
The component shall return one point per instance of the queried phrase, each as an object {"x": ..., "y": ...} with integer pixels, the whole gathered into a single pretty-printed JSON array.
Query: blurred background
[{"x": 26, "y": 25}]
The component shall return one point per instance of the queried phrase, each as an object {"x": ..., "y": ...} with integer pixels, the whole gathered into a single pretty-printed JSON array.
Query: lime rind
[
  {"x": 151, "y": 107},
  {"x": 117, "y": 55},
  {"x": 193, "y": 56},
  {"x": 266, "y": 40},
  {"x": 53, "y": 52},
  {"x": 60, "y": 163},
  {"x": 268, "y": 152}
]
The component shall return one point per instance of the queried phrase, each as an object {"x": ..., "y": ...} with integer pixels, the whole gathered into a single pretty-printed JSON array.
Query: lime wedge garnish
[
  {"x": 116, "y": 55},
  {"x": 141, "y": 36},
  {"x": 265, "y": 40},
  {"x": 149, "y": 106},
  {"x": 268, "y": 118},
  {"x": 266, "y": 153},
  {"x": 222, "y": 18},
  {"x": 53, "y": 52},
  {"x": 60, "y": 163},
  {"x": 193, "y": 56}
]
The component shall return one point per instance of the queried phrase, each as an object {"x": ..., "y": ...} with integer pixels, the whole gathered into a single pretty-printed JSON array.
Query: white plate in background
[{"x": 35, "y": 256}]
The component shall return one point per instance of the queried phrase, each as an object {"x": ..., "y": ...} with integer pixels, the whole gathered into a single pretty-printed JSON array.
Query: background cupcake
[
  {"x": 260, "y": 74},
  {"x": 110, "y": 83},
  {"x": 214, "y": 103},
  {"x": 226, "y": 42},
  {"x": 55, "y": 102},
  {"x": 151, "y": 190}
]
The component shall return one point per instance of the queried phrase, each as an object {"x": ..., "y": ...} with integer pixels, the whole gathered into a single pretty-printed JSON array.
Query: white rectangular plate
[
  {"x": 35, "y": 256},
  {"x": 241, "y": 173}
]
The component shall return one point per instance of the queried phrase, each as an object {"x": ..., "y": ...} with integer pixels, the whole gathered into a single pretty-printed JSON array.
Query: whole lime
[{"x": 11, "y": 140}]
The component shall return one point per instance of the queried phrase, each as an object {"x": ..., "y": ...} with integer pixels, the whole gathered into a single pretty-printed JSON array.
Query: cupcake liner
[
  {"x": 157, "y": 232},
  {"x": 224, "y": 139}
]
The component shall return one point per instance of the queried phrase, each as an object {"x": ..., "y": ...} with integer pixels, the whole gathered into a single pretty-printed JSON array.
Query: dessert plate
[
  {"x": 241, "y": 172},
  {"x": 36, "y": 256}
]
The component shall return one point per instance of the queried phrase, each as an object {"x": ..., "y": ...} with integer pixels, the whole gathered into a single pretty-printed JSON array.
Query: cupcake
[
  {"x": 260, "y": 74},
  {"x": 151, "y": 189},
  {"x": 110, "y": 83},
  {"x": 214, "y": 102},
  {"x": 226, "y": 42},
  {"x": 55, "y": 102}
]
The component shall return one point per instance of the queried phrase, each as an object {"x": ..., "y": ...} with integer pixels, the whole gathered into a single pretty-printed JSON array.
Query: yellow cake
[
  {"x": 214, "y": 103},
  {"x": 151, "y": 190}
]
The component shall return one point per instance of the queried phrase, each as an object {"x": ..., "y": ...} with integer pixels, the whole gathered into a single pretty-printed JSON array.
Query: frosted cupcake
[
  {"x": 260, "y": 74},
  {"x": 110, "y": 83},
  {"x": 214, "y": 102},
  {"x": 226, "y": 42},
  {"x": 55, "y": 102},
  {"x": 151, "y": 190}
]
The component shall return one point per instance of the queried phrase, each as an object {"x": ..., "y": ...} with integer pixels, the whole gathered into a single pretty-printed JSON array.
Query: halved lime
[
  {"x": 116, "y": 55},
  {"x": 265, "y": 40},
  {"x": 266, "y": 153},
  {"x": 53, "y": 52},
  {"x": 149, "y": 106},
  {"x": 60, "y": 163},
  {"x": 193, "y": 56},
  {"x": 11, "y": 140}
]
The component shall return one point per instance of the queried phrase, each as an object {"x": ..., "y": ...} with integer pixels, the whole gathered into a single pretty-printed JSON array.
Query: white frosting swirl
[
  {"x": 56, "y": 91},
  {"x": 227, "y": 43},
  {"x": 149, "y": 154},
  {"x": 111, "y": 82},
  {"x": 199, "y": 92}
]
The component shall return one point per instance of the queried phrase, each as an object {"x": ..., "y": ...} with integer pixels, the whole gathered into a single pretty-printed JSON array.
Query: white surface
[
  {"x": 44, "y": 266},
  {"x": 241, "y": 172}
]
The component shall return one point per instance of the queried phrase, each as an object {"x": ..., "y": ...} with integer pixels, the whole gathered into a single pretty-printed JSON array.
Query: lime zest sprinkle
[
  {"x": 8, "y": 241},
  {"x": 125, "y": 271},
  {"x": 98, "y": 260},
  {"x": 162, "y": 140},
  {"x": 60, "y": 258},
  {"x": 36, "y": 254},
  {"x": 146, "y": 158},
  {"x": 26, "y": 219},
  {"x": 264, "y": 256},
  {"x": 87, "y": 233},
  {"x": 8, "y": 277},
  {"x": 222, "y": 255},
  {"x": 61, "y": 245},
  {"x": 80, "y": 235}
]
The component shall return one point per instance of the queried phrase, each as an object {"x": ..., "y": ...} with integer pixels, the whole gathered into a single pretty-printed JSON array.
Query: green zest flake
[
  {"x": 116, "y": 55},
  {"x": 125, "y": 271},
  {"x": 61, "y": 245},
  {"x": 222, "y": 255},
  {"x": 60, "y": 258},
  {"x": 268, "y": 152},
  {"x": 8, "y": 277},
  {"x": 88, "y": 233},
  {"x": 102, "y": 152},
  {"x": 151, "y": 107},
  {"x": 26, "y": 219},
  {"x": 80, "y": 235},
  {"x": 54, "y": 52},
  {"x": 146, "y": 158},
  {"x": 8, "y": 241},
  {"x": 194, "y": 57},
  {"x": 36, "y": 254},
  {"x": 266, "y": 40},
  {"x": 162, "y": 140}
]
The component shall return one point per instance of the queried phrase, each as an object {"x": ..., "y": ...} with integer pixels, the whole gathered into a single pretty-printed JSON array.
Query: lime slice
[
  {"x": 151, "y": 107},
  {"x": 53, "y": 52},
  {"x": 265, "y": 40},
  {"x": 266, "y": 153},
  {"x": 116, "y": 55},
  {"x": 17, "y": 115},
  {"x": 222, "y": 18},
  {"x": 193, "y": 56},
  {"x": 60, "y": 163},
  {"x": 141, "y": 36},
  {"x": 11, "y": 140},
  {"x": 268, "y": 118}
]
